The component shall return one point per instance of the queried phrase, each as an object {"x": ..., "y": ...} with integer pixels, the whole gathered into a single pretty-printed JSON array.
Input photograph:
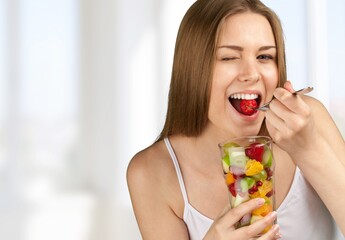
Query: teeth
[{"x": 244, "y": 96}]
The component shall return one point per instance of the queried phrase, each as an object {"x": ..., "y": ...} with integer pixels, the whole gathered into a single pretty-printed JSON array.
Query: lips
[{"x": 239, "y": 100}]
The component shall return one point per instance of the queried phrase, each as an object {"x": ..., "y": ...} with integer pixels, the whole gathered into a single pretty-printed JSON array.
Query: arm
[
  {"x": 303, "y": 128},
  {"x": 155, "y": 217}
]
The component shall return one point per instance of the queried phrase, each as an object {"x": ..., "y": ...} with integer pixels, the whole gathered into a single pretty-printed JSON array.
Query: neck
[{"x": 205, "y": 146}]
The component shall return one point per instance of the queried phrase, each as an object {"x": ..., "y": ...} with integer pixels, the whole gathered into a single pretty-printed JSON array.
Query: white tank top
[{"x": 302, "y": 214}]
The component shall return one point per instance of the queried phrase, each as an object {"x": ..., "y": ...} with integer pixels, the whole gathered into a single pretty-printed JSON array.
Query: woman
[{"x": 228, "y": 48}]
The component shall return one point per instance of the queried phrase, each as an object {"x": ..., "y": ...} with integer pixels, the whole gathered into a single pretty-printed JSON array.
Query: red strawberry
[
  {"x": 255, "y": 151},
  {"x": 248, "y": 106},
  {"x": 232, "y": 189}
]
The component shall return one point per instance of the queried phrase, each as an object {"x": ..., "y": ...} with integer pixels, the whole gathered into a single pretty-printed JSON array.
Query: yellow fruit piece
[
  {"x": 263, "y": 210},
  {"x": 265, "y": 188},
  {"x": 253, "y": 167},
  {"x": 255, "y": 195},
  {"x": 229, "y": 179}
]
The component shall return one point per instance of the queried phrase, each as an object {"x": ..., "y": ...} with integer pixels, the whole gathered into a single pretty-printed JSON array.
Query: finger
[
  {"x": 276, "y": 121},
  {"x": 292, "y": 102},
  {"x": 278, "y": 129},
  {"x": 258, "y": 227},
  {"x": 235, "y": 214},
  {"x": 273, "y": 233},
  {"x": 279, "y": 109},
  {"x": 287, "y": 120},
  {"x": 288, "y": 86},
  {"x": 282, "y": 114}
]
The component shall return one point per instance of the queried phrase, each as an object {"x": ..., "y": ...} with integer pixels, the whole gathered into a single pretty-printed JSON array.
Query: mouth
[{"x": 245, "y": 103}]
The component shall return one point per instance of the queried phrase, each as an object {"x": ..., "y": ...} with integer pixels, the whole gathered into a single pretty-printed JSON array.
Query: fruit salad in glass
[{"x": 248, "y": 169}]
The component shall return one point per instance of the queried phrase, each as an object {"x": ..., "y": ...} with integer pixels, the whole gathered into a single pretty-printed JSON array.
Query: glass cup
[{"x": 248, "y": 169}]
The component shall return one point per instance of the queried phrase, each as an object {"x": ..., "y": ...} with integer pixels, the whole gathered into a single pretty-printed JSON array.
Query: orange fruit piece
[
  {"x": 253, "y": 167},
  {"x": 229, "y": 179},
  {"x": 263, "y": 210}
]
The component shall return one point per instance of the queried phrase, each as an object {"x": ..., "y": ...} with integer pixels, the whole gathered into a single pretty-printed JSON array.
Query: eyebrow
[{"x": 238, "y": 48}]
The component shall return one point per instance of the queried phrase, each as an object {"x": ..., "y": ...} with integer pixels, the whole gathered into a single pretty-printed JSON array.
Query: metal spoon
[{"x": 302, "y": 91}]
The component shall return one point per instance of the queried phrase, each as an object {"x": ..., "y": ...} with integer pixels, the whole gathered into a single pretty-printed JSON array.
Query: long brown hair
[{"x": 194, "y": 58}]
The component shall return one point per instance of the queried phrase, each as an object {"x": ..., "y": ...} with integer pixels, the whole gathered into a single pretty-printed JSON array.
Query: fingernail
[
  {"x": 260, "y": 201},
  {"x": 276, "y": 228},
  {"x": 272, "y": 214},
  {"x": 278, "y": 235}
]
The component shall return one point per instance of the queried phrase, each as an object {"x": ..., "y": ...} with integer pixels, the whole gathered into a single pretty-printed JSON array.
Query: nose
[{"x": 248, "y": 72}]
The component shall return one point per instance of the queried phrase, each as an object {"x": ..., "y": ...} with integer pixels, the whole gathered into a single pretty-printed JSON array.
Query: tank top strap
[{"x": 178, "y": 170}]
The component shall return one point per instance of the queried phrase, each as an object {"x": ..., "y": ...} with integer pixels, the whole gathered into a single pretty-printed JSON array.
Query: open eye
[{"x": 265, "y": 57}]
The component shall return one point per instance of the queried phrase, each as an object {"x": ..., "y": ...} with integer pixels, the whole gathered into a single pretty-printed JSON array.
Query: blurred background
[{"x": 83, "y": 87}]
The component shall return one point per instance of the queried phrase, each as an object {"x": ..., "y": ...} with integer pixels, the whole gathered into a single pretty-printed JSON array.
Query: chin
[
  {"x": 234, "y": 133},
  {"x": 252, "y": 130}
]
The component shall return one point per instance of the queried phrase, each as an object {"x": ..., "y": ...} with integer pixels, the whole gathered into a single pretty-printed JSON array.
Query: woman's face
[{"x": 245, "y": 75}]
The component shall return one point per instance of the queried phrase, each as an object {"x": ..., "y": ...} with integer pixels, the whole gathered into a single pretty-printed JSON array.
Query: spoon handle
[{"x": 302, "y": 91}]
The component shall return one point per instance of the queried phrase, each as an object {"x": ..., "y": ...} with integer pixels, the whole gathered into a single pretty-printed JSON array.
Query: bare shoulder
[
  {"x": 146, "y": 169},
  {"x": 155, "y": 194},
  {"x": 325, "y": 124},
  {"x": 148, "y": 164},
  {"x": 315, "y": 104},
  {"x": 322, "y": 117}
]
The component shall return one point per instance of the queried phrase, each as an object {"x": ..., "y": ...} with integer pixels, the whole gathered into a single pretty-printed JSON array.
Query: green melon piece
[
  {"x": 226, "y": 163},
  {"x": 238, "y": 157},
  {"x": 267, "y": 158},
  {"x": 228, "y": 146},
  {"x": 261, "y": 176}
]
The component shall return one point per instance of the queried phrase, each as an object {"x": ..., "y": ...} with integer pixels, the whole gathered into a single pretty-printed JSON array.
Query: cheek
[
  {"x": 222, "y": 77},
  {"x": 218, "y": 96},
  {"x": 272, "y": 79},
  {"x": 220, "y": 83}
]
